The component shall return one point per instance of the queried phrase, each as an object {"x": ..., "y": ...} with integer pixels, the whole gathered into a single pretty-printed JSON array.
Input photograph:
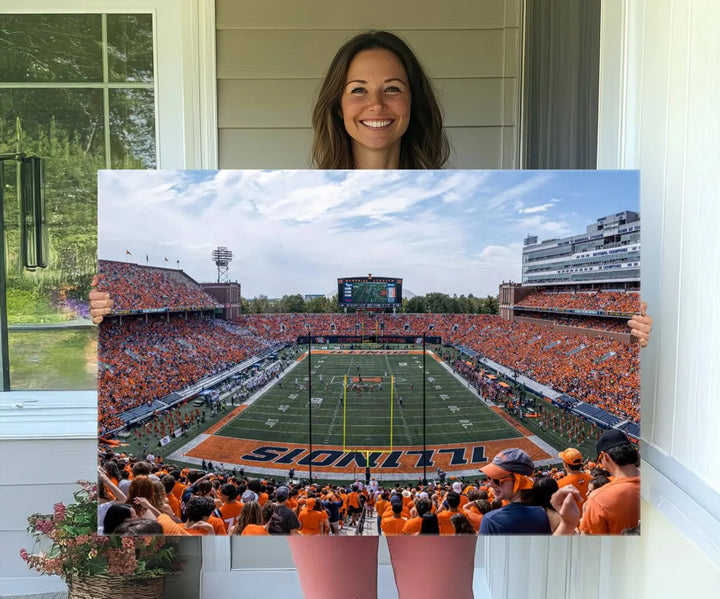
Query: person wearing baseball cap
[
  {"x": 333, "y": 504},
  {"x": 394, "y": 523},
  {"x": 249, "y": 496},
  {"x": 575, "y": 475},
  {"x": 284, "y": 521},
  {"x": 614, "y": 507},
  {"x": 509, "y": 474},
  {"x": 456, "y": 487}
]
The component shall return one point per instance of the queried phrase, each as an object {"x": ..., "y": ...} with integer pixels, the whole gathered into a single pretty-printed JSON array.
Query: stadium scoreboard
[{"x": 369, "y": 292}]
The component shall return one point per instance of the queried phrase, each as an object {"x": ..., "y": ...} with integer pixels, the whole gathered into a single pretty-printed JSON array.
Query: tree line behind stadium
[{"x": 437, "y": 303}]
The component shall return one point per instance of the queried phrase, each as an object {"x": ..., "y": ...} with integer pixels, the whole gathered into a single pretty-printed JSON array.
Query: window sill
[
  {"x": 48, "y": 415},
  {"x": 684, "y": 499}
]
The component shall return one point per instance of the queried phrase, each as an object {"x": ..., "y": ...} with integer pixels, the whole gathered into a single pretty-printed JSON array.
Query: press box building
[{"x": 605, "y": 257}]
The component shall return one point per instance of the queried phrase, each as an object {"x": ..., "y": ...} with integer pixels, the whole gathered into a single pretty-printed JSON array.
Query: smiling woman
[{"x": 377, "y": 109}]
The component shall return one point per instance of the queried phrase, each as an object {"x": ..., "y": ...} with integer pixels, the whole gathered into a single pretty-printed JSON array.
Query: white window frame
[
  {"x": 186, "y": 138},
  {"x": 184, "y": 65}
]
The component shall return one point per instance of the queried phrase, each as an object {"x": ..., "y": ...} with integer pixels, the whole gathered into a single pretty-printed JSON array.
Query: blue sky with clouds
[{"x": 298, "y": 231}]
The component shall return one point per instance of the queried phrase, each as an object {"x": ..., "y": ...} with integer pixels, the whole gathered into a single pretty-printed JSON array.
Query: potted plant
[{"x": 93, "y": 565}]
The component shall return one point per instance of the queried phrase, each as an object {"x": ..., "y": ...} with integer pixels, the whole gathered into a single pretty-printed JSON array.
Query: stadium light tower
[{"x": 222, "y": 258}]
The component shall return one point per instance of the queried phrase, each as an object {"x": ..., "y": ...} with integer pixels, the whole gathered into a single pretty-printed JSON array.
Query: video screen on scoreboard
[{"x": 365, "y": 292}]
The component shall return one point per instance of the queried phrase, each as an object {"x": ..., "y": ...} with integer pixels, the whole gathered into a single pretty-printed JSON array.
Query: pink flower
[
  {"x": 53, "y": 565},
  {"x": 24, "y": 555},
  {"x": 121, "y": 561},
  {"x": 59, "y": 511},
  {"x": 44, "y": 526}
]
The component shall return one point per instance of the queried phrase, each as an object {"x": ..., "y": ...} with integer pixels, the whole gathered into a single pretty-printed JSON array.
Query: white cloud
[
  {"x": 534, "y": 209},
  {"x": 297, "y": 231}
]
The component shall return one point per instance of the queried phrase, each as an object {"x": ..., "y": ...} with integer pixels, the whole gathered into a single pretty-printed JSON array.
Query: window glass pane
[
  {"x": 64, "y": 126},
  {"x": 38, "y": 48},
  {"x": 55, "y": 359},
  {"x": 130, "y": 47},
  {"x": 132, "y": 128},
  {"x": 58, "y": 120},
  {"x": 52, "y": 344}
]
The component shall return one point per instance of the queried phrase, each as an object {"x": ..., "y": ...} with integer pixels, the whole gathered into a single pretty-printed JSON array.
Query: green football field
[{"x": 369, "y": 419}]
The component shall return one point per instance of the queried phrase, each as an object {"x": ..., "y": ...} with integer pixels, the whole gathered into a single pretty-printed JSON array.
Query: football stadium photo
[{"x": 365, "y": 344}]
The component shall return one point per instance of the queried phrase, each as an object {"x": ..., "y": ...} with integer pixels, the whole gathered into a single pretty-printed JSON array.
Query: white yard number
[
  {"x": 444, "y": 396},
  {"x": 453, "y": 409},
  {"x": 293, "y": 396},
  {"x": 465, "y": 423},
  {"x": 271, "y": 422},
  {"x": 283, "y": 408}
]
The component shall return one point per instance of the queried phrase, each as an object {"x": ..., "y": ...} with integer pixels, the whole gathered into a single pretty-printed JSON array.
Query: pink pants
[{"x": 346, "y": 567}]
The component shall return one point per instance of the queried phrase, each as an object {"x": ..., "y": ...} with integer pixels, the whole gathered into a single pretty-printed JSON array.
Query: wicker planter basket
[{"x": 115, "y": 586}]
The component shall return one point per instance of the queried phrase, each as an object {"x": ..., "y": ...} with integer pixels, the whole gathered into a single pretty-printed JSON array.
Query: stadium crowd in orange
[
  {"x": 141, "y": 361},
  {"x": 605, "y": 301},
  {"x": 136, "y": 287},
  {"x": 617, "y": 325},
  {"x": 228, "y": 493}
]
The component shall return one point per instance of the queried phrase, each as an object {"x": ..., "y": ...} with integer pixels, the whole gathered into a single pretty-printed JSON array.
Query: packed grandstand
[
  {"x": 227, "y": 502},
  {"x": 165, "y": 337}
]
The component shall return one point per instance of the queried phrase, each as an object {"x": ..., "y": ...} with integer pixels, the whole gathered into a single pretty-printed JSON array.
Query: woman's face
[{"x": 375, "y": 103}]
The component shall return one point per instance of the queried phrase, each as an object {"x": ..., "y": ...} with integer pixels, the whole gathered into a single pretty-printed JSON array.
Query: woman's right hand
[{"x": 100, "y": 302}]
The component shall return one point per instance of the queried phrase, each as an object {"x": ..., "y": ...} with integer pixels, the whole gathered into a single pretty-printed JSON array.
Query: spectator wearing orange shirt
[
  {"x": 387, "y": 513},
  {"x": 394, "y": 524},
  {"x": 475, "y": 509},
  {"x": 444, "y": 515},
  {"x": 250, "y": 514},
  {"x": 413, "y": 525},
  {"x": 615, "y": 506},
  {"x": 260, "y": 530},
  {"x": 458, "y": 488},
  {"x": 231, "y": 508},
  {"x": 353, "y": 505},
  {"x": 313, "y": 519},
  {"x": 169, "y": 483},
  {"x": 576, "y": 476},
  {"x": 380, "y": 506}
]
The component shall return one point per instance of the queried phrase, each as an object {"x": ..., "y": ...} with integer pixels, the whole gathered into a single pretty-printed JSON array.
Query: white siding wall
[
  {"x": 659, "y": 90},
  {"x": 271, "y": 57},
  {"x": 45, "y": 446}
]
